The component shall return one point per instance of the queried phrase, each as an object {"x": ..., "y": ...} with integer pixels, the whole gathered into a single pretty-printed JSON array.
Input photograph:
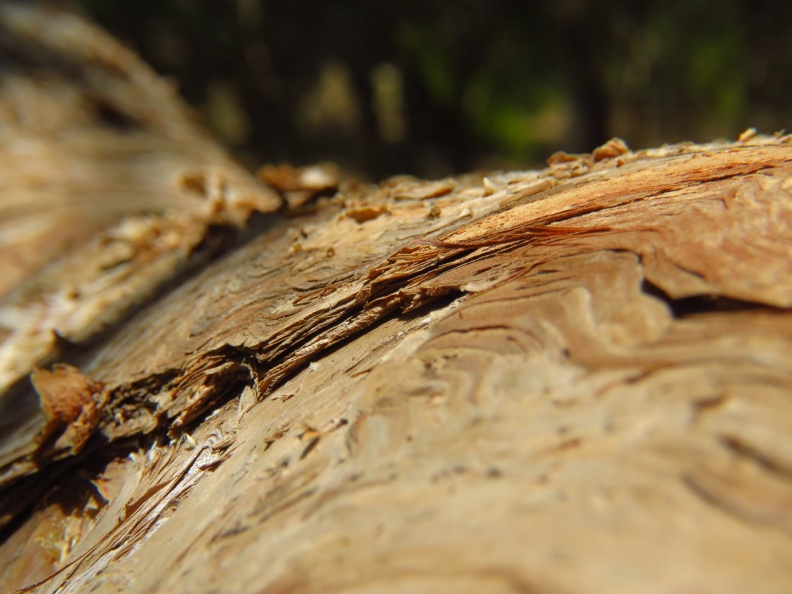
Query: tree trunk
[{"x": 569, "y": 380}]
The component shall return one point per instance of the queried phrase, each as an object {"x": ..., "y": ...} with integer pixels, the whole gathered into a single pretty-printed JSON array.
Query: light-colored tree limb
[{"x": 569, "y": 380}]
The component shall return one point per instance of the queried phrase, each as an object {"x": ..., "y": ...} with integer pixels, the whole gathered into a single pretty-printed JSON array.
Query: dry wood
[
  {"x": 109, "y": 191},
  {"x": 568, "y": 380}
]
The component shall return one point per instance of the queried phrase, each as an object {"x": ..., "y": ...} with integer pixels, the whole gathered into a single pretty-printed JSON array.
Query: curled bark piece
[{"x": 70, "y": 401}]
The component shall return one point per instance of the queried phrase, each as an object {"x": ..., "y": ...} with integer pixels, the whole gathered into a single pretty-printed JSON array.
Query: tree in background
[{"x": 433, "y": 87}]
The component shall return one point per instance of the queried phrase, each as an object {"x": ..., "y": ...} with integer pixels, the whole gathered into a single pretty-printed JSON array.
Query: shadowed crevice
[{"x": 702, "y": 304}]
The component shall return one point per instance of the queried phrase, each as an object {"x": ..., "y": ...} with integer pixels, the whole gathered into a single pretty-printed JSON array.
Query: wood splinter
[{"x": 72, "y": 403}]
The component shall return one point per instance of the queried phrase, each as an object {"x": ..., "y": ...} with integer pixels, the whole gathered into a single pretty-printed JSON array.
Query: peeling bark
[{"x": 569, "y": 380}]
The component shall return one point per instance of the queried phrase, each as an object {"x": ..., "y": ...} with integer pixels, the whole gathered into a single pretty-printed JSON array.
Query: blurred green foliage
[{"x": 476, "y": 83}]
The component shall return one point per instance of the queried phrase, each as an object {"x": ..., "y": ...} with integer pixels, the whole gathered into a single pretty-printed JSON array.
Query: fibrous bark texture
[{"x": 568, "y": 380}]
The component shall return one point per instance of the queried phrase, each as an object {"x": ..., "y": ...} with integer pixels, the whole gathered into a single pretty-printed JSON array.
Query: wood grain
[{"x": 569, "y": 380}]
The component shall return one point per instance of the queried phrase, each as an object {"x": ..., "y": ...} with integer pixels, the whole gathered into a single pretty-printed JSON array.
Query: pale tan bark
[{"x": 570, "y": 380}]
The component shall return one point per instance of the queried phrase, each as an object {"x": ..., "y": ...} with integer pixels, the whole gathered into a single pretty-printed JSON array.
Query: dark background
[{"x": 433, "y": 87}]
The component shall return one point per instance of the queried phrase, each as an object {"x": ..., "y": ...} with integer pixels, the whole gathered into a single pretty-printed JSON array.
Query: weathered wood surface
[
  {"x": 109, "y": 191},
  {"x": 571, "y": 380}
]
